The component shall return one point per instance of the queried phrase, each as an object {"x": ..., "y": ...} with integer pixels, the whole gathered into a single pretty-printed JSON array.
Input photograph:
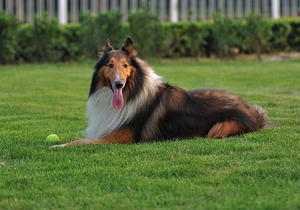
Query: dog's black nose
[{"x": 119, "y": 84}]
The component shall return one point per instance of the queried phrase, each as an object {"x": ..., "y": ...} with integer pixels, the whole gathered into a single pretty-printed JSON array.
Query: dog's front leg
[{"x": 121, "y": 136}]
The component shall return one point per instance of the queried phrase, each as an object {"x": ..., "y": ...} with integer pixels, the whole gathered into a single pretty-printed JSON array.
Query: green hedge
[
  {"x": 8, "y": 38},
  {"x": 47, "y": 41}
]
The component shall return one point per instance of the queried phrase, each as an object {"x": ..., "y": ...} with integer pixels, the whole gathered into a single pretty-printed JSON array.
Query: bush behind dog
[{"x": 47, "y": 41}]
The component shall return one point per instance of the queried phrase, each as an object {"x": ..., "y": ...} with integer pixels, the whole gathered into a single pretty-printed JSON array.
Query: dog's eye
[
  {"x": 111, "y": 65},
  {"x": 125, "y": 65}
]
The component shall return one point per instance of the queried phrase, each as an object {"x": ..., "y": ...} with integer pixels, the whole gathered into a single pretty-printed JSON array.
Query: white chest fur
[{"x": 102, "y": 117}]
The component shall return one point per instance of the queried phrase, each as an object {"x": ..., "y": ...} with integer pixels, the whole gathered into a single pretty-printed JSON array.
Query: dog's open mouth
[{"x": 118, "y": 101}]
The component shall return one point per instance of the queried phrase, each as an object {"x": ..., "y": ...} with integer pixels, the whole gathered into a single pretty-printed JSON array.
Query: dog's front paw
[{"x": 58, "y": 145}]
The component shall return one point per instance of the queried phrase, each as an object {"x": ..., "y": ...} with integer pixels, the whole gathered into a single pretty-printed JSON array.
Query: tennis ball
[{"x": 52, "y": 138}]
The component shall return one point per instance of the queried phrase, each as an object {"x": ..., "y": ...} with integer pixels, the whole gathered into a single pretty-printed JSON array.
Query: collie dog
[{"x": 129, "y": 103}]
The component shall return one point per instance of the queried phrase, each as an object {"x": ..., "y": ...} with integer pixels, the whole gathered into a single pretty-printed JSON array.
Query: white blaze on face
[
  {"x": 117, "y": 77},
  {"x": 118, "y": 100}
]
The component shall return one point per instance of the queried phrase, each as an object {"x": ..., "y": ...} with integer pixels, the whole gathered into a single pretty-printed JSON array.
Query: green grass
[{"x": 255, "y": 171}]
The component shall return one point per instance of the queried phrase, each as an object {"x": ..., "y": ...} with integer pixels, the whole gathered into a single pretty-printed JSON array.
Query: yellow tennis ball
[{"x": 52, "y": 138}]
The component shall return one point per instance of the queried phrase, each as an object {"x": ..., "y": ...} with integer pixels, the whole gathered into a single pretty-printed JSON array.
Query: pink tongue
[{"x": 118, "y": 99}]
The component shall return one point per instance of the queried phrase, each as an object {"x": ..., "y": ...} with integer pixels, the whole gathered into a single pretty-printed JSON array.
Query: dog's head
[{"x": 114, "y": 70}]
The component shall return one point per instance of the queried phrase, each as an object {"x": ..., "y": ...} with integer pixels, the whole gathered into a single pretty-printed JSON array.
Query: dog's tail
[{"x": 262, "y": 116}]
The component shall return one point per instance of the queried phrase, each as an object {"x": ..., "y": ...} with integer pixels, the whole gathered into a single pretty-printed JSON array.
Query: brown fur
[
  {"x": 225, "y": 129},
  {"x": 121, "y": 136}
]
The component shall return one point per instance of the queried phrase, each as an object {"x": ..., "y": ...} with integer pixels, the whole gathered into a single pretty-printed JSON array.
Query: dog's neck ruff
[{"x": 103, "y": 118}]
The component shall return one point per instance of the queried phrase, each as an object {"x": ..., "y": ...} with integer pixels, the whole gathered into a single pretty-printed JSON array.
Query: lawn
[{"x": 255, "y": 171}]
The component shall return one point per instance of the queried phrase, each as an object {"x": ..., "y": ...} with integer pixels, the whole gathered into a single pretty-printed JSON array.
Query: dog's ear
[
  {"x": 107, "y": 47},
  {"x": 128, "y": 47}
]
